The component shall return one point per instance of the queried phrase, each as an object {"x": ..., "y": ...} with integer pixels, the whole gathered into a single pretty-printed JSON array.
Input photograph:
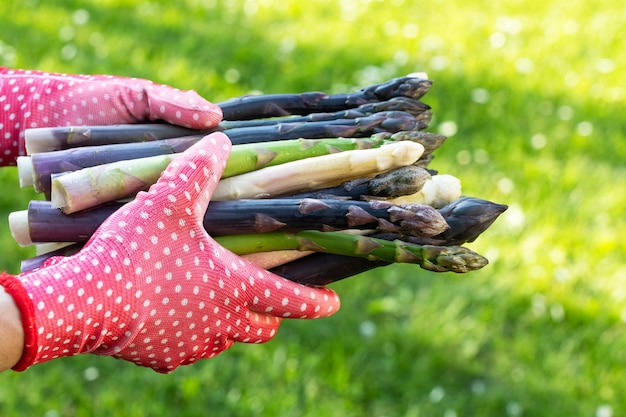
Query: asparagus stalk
[
  {"x": 52, "y": 139},
  {"x": 391, "y": 121},
  {"x": 433, "y": 258},
  {"x": 455, "y": 224},
  {"x": 276, "y": 105},
  {"x": 312, "y": 173},
  {"x": 404, "y": 104},
  {"x": 43, "y": 223},
  {"x": 468, "y": 218},
  {"x": 253, "y": 156}
]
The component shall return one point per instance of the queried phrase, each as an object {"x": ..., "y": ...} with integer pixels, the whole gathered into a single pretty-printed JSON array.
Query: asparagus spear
[
  {"x": 276, "y": 105},
  {"x": 468, "y": 217},
  {"x": 56, "y": 138},
  {"x": 459, "y": 222},
  {"x": 391, "y": 121},
  {"x": 378, "y": 252},
  {"x": 251, "y": 157},
  {"x": 311, "y": 173},
  {"x": 43, "y": 223},
  {"x": 404, "y": 104},
  {"x": 434, "y": 258}
]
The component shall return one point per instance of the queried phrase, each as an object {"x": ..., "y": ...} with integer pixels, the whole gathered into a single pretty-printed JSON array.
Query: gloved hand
[
  {"x": 30, "y": 99},
  {"x": 152, "y": 287}
]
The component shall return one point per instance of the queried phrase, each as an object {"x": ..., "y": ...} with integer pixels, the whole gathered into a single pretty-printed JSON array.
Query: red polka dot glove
[
  {"x": 152, "y": 287},
  {"x": 30, "y": 99}
]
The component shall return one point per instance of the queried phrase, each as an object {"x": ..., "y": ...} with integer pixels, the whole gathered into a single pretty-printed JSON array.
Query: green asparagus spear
[
  {"x": 251, "y": 157},
  {"x": 433, "y": 258}
]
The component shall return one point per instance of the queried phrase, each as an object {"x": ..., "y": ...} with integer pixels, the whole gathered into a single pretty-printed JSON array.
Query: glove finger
[
  {"x": 279, "y": 297},
  {"x": 179, "y": 107},
  {"x": 190, "y": 179},
  {"x": 259, "y": 328},
  {"x": 138, "y": 100}
]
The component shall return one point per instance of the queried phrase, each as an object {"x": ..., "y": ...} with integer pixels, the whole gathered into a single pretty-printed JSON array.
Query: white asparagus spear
[{"x": 312, "y": 173}]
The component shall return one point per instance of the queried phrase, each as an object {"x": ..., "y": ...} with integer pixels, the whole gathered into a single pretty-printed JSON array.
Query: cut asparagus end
[
  {"x": 18, "y": 223},
  {"x": 44, "y": 139},
  {"x": 25, "y": 171},
  {"x": 58, "y": 196}
]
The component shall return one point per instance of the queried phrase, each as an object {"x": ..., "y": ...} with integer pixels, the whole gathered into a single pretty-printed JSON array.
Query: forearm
[{"x": 11, "y": 332}]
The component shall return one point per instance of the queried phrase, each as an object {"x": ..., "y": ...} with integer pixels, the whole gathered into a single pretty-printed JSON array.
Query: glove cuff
[{"x": 22, "y": 300}]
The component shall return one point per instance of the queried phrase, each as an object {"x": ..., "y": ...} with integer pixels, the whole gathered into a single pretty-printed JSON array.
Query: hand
[
  {"x": 152, "y": 287},
  {"x": 30, "y": 99}
]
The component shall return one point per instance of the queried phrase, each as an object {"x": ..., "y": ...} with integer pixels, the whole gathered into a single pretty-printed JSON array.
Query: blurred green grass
[{"x": 532, "y": 96}]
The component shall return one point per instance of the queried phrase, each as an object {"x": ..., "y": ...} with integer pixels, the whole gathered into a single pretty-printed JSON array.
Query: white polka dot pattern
[
  {"x": 153, "y": 288},
  {"x": 30, "y": 99}
]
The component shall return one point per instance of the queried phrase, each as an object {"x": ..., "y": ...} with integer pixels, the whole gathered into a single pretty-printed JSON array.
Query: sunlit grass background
[{"x": 532, "y": 96}]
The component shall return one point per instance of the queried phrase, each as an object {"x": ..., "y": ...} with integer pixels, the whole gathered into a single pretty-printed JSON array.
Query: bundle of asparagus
[{"x": 318, "y": 187}]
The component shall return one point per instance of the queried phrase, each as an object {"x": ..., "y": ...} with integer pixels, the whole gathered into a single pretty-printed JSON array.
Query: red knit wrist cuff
[{"x": 15, "y": 289}]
